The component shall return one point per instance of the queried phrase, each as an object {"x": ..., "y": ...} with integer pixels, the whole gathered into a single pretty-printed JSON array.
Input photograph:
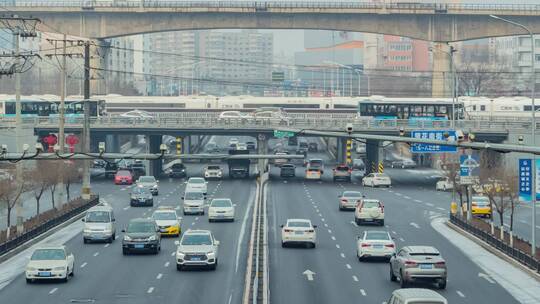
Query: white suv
[
  {"x": 369, "y": 210},
  {"x": 197, "y": 248},
  {"x": 213, "y": 171}
]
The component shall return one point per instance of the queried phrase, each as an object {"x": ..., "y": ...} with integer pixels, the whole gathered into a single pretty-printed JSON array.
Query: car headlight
[
  {"x": 127, "y": 238},
  {"x": 211, "y": 253},
  {"x": 59, "y": 268},
  {"x": 155, "y": 186},
  {"x": 30, "y": 269},
  {"x": 152, "y": 238},
  {"x": 87, "y": 231},
  {"x": 180, "y": 254}
]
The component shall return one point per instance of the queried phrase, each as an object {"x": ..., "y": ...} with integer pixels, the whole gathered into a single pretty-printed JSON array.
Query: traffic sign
[
  {"x": 525, "y": 180},
  {"x": 434, "y": 135},
  {"x": 469, "y": 169},
  {"x": 282, "y": 134}
]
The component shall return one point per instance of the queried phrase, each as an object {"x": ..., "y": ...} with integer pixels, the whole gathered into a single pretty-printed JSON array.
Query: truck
[{"x": 238, "y": 168}]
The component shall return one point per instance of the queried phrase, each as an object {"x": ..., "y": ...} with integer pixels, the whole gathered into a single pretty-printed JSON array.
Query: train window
[
  {"x": 208, "y": 105},
  {"x": 482, "y": 108},
  {"x": 327, "y": 106},
  {"x": 474, "y": 108},
  {"x": 527, "y": 108}
]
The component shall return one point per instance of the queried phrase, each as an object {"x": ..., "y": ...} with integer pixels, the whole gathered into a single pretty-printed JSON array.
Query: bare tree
[
  {"x": 71, "y": 172},
  {"x": 38, "y": 183},
  {"x": 10, "y": 192},
  {"x": 478, "y": 80},
  {"x": 54, "y": 173}
]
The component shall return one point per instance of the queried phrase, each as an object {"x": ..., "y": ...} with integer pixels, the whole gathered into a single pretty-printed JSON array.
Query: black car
[
  {"x": 287, "y": 170},
  {"x": 250, "y": 145},
  {"x": 176, "y": 170},
  {"x": 141, "y": 196},
  {"x": 141, "y": 235},
  {"x": 110, "y": 169},
  {"x": 313, "y": 147}
]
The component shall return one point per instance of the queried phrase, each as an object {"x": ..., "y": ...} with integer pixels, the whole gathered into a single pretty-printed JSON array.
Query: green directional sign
[{"x": 282, "y": 134}]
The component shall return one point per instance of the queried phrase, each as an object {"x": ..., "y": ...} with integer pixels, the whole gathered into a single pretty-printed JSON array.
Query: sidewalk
[{"x": 521, "y": 285}]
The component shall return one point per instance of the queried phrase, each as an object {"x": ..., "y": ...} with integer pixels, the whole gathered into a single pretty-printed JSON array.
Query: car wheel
[
  {"x": 393, "y": 277},
  {"x": 381, "y": 222},
  {"x": 282, "y": 244},
  {"x": 360, "y": 259},
  {"x": 402, "y": 166},
  {"x": 66, "y": 279},
  {"x": 210, "y": 220},
  {"x": 444, "y": 188},
  {"x": 442, "y": 284},
  {"x": 358, "y": 221},
  {"x": 85, "y": 241},
  {"x": 114, "y": 236},
  {"x": 402, "y": 281},
  {"x": 179, "y": 267},
  {"x": 214, "y": 266},
  {"x": 185, "y": 213},
  {"x": 72, "y": 274},
  {"x": 313, "y": 245},
  {"x": 29, "y": 281},
  {"x": 125, "y": 251}
]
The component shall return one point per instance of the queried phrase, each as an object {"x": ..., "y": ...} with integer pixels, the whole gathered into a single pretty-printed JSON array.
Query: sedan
[
  {"x": 377, "y": 180},
  {"x": 298, "y": 231},
  {"x": 123, "y": 177},
  {"x": 418, "y": 264},
  {"x": 50, "y": 263},
  {"x": 149, "y": 182},
  {"x": 197, "y": 184},
  {"x": 232, "y": 116},
  {"x": 444, "y": 184},
  {"x": 348, "y": 200},
  {"x": 375, "y": 244},
  {"x": 213, "y": 171},
  {"x": 141, "y": 196},
  {"x": 221, "y": 209}
]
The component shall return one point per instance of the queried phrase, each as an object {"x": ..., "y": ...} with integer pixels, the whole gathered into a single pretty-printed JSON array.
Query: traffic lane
[
  {"x": 99, "y": 267},
  {"x": 288, "y": 283},
  {"x": 227, "y": 281},
  {"x": 411, "y": 225}
]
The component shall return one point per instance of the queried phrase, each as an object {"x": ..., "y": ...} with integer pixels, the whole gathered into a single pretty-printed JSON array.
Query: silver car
[
  {"x": 149, "y": 182},
  {"x": 414, "y": 264},
  {"x": 349, "y": 199}
]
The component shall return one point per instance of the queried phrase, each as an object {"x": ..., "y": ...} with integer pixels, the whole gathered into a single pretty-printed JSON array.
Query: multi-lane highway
[{"x": 329, "y": 273}]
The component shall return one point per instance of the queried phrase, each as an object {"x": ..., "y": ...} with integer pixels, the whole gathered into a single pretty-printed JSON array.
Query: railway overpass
[{"x": 441, "y": 23}]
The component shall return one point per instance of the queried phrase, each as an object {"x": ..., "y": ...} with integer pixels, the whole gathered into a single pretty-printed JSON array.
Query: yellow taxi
[
  {"x": 480, "y": 206},
  {"x": 168, "y": 221}
]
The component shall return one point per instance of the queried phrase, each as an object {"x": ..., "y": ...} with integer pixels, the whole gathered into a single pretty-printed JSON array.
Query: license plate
[
  {"x": 378, "y": 246},
  {"x": 163, "y": 230},
  {"x": 139, "y": 246},
  {"x": 195, "y": 259},
  {"x": 368, "y": 220},
  {"x": 142, "y": 200},
  {"x": 44, "y": 274},
  {"x": 298, "y": 232},
  {"x": 426, "y": 266}
]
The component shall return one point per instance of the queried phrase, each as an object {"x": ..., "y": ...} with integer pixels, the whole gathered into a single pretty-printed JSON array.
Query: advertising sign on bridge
[{"x": 434, "y": 135}]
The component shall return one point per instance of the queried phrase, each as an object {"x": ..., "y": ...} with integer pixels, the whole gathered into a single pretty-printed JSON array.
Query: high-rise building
[{"x": 119, "y": 62}]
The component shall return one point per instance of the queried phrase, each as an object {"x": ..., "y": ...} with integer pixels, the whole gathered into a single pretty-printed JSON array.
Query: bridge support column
[
  {"x": 112, "y": 143},
  {"x": 373, "y": 155},
  {"x": 99, "y": 55},
  {"x": 441, "y": 82},
  {"x": 186, "y": 144},
  {"x": 341, "y": 150},
  {"x": 155, "y": 165},
  {"x": 95, "y": 140},
  {"x": 262, "y": 148}
]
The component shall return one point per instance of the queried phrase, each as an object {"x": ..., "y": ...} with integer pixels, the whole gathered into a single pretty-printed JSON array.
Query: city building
[{"x": 119, "y": 63}]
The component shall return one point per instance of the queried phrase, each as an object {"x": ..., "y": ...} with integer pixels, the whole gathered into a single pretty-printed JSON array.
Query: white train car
[{"x": 517, "y": 107}]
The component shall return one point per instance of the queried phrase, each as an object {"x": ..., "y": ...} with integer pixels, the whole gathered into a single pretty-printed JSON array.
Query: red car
[{"x": 123, "y": 177}]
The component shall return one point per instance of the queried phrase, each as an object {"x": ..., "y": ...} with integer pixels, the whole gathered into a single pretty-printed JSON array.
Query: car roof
[
  {"x": 195, "y": 178},
  {"x": 147, "y": 176},
  {"x": 51, "y": 247},
  {"x": 422, "y": 249},
  {"x": 141, "y": 220},
  {"x": 287, "y": 165},
  {"x": 197, "y": 231},
  {"x": 298, "y": 220},
  {"x": 350, "y": 192},
  {"x": 418, "y": 293},
  {"x": 100, "y": 208},
  {"x": 376, "y": 231}
]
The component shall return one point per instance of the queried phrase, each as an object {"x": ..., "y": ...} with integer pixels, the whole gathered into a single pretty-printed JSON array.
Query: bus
[
  {"x": 41, "y": 107},
  {"x": 314, "y": 169}
]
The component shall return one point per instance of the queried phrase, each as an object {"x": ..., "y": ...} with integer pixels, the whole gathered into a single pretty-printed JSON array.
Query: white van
[
  {"x": 194, "y": 202},
  {"x": 99, "y": 224},
  {"x": 416, "y": 296}
]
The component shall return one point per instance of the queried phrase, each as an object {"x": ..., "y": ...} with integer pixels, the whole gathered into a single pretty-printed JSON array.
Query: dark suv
[
  {"x": 177, "y": 170},
  {"x": 141, "y": 196},
  {"x": 141, "y": 235},
  {"x": 287, "y": 170}
]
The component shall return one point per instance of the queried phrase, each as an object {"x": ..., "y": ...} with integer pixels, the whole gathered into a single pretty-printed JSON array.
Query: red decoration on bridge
[
  {"x": 72, "y": 140},
  {"x": 50, "y": 140}
]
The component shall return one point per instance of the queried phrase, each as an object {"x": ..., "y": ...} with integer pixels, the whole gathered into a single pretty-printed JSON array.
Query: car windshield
[
  {"x": 165, "y": 216},
  {"x": 342, "y": 168},
  {"x": 299, "y": 224},
  {"x": 214, "y": 167},
  {"x": 194, "y": 195},
  {"x": 140, "y": 190},
  {"x": 370, "y": 204},
  {"x": 196, "y": 239},
  {"x": 48, "y": 254},
  {"x": 147, "y": 179},
  {"x": 123, "y": 173},
  {"x": 381, "y": 176},
  {"x": 352, "y": 194},
  {"x": 221, "y": 203},
  {"x": 141, "y": 227},
  {"x": 377, "y": 235},
  {"x": 196, "y": 181},
  {"x": 97, "y": 217}
]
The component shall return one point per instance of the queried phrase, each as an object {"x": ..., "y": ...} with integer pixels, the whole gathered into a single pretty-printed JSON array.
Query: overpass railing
[
  {"x": 202, "y": 121},
  {"x": 436, "y": 7}
]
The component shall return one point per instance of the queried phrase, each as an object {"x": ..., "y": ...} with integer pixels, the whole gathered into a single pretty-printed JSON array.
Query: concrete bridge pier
[
  {"x": 112, "y": 143},
  {"x": 154, "y": 142},
  {"x": 262, "y": 148},
  {"x": 99, "y": 54},
  {"x": 441, "y": 81},
  {"x": 341, "y": 150},
  {"x": 186, "y": 144},
  {"x": 373, "y": 155},
  {"x": 95, "y": 140}
]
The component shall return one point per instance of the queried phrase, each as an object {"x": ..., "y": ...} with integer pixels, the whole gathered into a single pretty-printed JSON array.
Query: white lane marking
[
  {"x": 108, "y": 244},
  {"x": 355, "y": 278},
  {"x": 354, "y": 223},
  {"x": 392, "y": 191},
  {"x": 168, "y": 263},
  {"x": 430, "y": 204},
  {"x": 442, "y": 209},
  {"x": 309, "y": 274},
  {"x": 363, "y": 292},
  {"x": 124, "y": 189},
  {"x": 403, "y": 240},
  {"x": 243, "y": 230},
  {"x": 144, "y": 213},
  {"x": 197, "y": 218},
  {"x": 337, "y": 246},
  {"x": 96, "y": 254},
  {"x": 322, "y": 219},
  {"x": 419, "y": 201},
  {"x": 505, "y": 224},
  {"x": 84, "y": 264},
  {"x": 161, "y": 275},
  {"x": 127, "y": 207},
  {"x": 173, "y": 253},
  {"x": 150, "y": 290},
  {"x": 393, "y": 232},
  {"x": 415, "y": 225},
  {"x": 333, "y": 238},
  {"x": 53, "y": 290},
  {"x": 407, "y": 197},
  {"x": 194, "y": 222},
  {"x": 399, "y": 194},
  {"x": 330, "y": 231},
  {"x": 343, "y": 254},
  {"x": 230, "y": 297},
  {"x": 325, "y": 225},
  {"x": 349, "y": 266},
  {"x": 460, "y": 293},
  {"x": 487, "y": 277},
  {"x": 149, "y": 209}
]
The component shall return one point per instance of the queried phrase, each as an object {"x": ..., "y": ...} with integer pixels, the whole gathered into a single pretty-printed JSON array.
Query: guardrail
[
  {"x": 39, "y": 229},
  {"x": 520, "y": 256},
  {"x": 419, "y": 7}
]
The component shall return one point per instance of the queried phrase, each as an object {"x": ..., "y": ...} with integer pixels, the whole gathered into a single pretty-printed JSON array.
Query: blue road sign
[
  {"x": 469, "y": 169},
  {"x": 435, "y": 135},
  {"x": 525, "y": 179}
]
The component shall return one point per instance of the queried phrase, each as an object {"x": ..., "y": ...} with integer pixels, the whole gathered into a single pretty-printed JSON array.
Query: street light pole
[{"x": 533, "y": 128}]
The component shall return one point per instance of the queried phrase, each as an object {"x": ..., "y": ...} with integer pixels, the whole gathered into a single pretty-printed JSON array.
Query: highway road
[{"x": 104, "y": 275}]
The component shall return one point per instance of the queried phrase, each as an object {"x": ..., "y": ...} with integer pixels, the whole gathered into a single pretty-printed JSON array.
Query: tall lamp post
[{"x": 533, "y": 127}]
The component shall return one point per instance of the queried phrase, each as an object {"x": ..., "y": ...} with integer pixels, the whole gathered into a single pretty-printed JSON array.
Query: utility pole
[{"x": 86, "y": 190}]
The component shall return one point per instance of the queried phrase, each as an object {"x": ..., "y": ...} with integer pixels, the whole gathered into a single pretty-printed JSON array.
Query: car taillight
[
  {"x": 344, "y": 200},
  {"x": 365, "y": 245},
  {"x": 288, "y": 230},
  {"x": 389, "y": 245},
  {"x": 440, "y": 265},
  {"x": 310, "y": 230},
  {"x": 410, "y": 264},
  {"x": 350, "y": 171}
]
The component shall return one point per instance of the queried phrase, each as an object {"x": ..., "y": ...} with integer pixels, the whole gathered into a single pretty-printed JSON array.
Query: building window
[
  {"x": 537, "y": 56},
  {"x": 537, "y": 43}
]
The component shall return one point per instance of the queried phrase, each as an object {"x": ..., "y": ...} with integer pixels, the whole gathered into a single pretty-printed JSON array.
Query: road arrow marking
[
  {"x": 487, "y": 277},
  {"x": 309, "y": 274}
]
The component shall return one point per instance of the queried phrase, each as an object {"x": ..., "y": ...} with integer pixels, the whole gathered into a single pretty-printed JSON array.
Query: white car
[
  {"x": 99, "y": 224},
  {"x": 213, "y": 171},
  {"x": 197, "y": 184},
  {"x": 271, "y": 116},
  {"x": 233, "y": 141},
  {"x": 194, "y": 202},
  {"x": 298, "y": 231},
  {"x": 137, "y": 114},
  {"x": 50, "y": 263},
  {"x": 221, "y": 209},
  {"x": 197, "y": 248},
  {"x": 241, "y": 146},
  {"x": 444, "y": 184},
  {"x": 369, "y": 211},
  {"x": 168, "y": 221},
  {"x": 375, "y": 244},
  {"x": 232, "y": 115},
  {"x": 377, "y": 180}
]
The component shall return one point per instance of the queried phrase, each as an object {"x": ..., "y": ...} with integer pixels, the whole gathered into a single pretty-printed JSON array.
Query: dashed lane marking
[
  {"x": 173, "y": 253},
  {"x": 363, "y": 292},
  {"x": 322, "y": 219},
  {"x": 126, "y": 208},
  {"x": 337, "y": 246},
  {"x": 84, "y": 264},
  {"x": 150, "y": 290},
  {"x": 418, "y": 201},
  {"x": 393, "y": 232},
  {"x": 442, "y": 209},
  {"x": 403, "y": 240},
  {"x": 325, "y": 225},
  {"x": 415, "y": 225},
  {"x": 167, "y": 264},
  {"x": 398, "y": 194},
  {"x": 333, "y": 238},
  {"x": 53, "y": 290},
  {"x": 355, "y": 278},
  {"x": 430, "y": 204},
  {"x": 349, "y": 266},
  {"x": 158, "y": 277},
  {"x": 96, "y": 254},
  {"x": 407, "y": 197},
  {"x": 460, "y": 293},
  {"x": 342, "y": 255},
  {"x": 107, "y": 245},
  {"x": 330, "y": 231}
]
